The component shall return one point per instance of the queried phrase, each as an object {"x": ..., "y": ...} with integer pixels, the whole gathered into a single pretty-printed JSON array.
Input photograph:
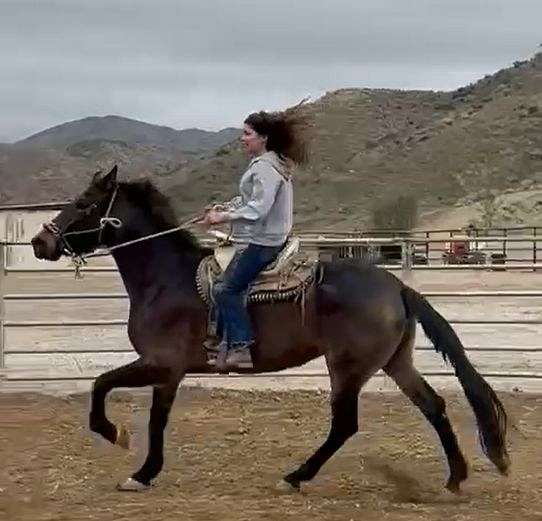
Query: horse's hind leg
[
  {"x": 433, "y": 407},
  {"x": 345, "y": 388}
]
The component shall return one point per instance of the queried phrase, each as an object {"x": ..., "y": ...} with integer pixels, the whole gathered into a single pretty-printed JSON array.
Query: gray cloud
[{"x": 182, "y": 63}]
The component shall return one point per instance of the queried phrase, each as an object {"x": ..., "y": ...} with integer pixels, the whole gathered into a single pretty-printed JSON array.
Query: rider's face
[{"x": 254, "y": 144}]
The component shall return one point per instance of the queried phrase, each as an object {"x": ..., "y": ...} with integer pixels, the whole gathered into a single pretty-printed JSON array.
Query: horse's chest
[{"x": 142, "y": 328}]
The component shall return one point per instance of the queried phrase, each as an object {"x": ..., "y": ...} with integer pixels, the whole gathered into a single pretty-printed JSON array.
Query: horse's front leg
[
  {"x": 139, "y": 373},
  {"x": 162, "y": 399}
]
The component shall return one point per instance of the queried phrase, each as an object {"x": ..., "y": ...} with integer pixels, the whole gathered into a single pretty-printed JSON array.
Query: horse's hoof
[
  {"x": 503, "y": 464},
  {"x": 131, "y": 485},
  {"x": 123, "y": 437},
  {"x": 453, "y": 487},
  {"x": 287, "y": 487}
]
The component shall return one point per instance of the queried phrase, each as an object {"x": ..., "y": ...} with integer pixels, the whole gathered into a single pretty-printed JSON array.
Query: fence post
[
  {"x": 534, "y": 246},
  {"x": 3, "y": 259},
  {"x": 406, "y": 258}
]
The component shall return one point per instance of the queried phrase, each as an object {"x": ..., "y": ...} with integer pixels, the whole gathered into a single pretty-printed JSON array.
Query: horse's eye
[
  {"x": 85, "y": 206},
  {"x": 81, "y": 205}
]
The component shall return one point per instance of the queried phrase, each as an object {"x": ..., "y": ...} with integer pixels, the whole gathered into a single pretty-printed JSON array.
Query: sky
[{"x": 208, "y": 63}]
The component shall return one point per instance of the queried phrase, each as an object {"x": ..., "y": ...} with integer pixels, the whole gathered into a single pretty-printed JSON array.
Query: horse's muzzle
[{"x": 46, "y": 246}]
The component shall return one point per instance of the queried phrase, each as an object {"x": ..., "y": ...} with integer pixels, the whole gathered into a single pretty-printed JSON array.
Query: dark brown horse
[{"x": 360, "y": 317}]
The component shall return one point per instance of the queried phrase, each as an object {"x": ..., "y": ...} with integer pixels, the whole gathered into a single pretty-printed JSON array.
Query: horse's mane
[{"x": 158, "y": 208}]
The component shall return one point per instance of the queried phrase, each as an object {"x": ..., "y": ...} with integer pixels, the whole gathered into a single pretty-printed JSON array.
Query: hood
[{"x": 276, "y": 162}]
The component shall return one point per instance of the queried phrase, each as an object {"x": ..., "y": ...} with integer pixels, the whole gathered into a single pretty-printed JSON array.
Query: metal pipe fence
[
  {"x": 406, "y": 263},
  {"x": 353, "y": 247}
]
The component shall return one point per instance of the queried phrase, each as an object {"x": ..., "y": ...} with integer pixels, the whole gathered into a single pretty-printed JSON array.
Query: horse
[{"x": 359, "y": 316}]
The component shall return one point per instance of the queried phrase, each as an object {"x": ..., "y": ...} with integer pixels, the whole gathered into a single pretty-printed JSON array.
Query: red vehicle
[{"x": 463, "y": 252}]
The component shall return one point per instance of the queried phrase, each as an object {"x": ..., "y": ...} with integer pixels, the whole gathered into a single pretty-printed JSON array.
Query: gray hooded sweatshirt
[{"x": 263, "y": 213}]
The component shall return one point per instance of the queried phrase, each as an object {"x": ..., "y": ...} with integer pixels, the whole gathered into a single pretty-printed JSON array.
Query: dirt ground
[{"x": 226, "y": 450}]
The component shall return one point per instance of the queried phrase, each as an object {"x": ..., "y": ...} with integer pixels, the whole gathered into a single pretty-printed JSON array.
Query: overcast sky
[{"x": 207, "y": 63}]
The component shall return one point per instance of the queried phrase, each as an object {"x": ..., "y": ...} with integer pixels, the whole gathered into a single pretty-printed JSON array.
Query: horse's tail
[{"x": 488, "y": 409}]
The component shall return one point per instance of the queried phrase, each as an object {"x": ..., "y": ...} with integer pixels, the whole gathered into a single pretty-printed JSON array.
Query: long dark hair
[{"x": 287, "y": 132}]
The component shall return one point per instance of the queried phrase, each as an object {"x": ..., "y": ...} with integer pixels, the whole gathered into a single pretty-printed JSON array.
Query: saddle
[{"x": 286, "y": 278}]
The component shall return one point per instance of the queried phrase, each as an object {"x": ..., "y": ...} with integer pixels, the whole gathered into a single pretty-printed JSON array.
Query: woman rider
[{"x": 261, "y": 218}]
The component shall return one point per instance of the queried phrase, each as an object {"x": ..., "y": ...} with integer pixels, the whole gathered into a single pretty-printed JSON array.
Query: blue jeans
[{"x": 230, "y": 294}]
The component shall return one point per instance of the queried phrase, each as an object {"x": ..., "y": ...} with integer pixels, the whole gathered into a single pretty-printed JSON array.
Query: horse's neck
[{"x": 155, "y": 263}]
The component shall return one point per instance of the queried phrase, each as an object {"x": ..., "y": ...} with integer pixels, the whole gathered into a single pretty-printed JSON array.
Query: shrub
[{"x": 399, "y": 212}]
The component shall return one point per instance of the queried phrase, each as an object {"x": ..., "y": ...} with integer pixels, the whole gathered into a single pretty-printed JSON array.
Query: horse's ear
[
  {"x": 110, "y": 180},
  {"x": 96, "y": 177}
]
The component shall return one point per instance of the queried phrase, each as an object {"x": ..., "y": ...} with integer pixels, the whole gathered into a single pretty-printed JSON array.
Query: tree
[{"x": 482, "y": 179}]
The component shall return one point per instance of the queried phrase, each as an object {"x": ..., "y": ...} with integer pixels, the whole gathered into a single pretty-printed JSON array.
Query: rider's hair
[{"x": 287, "y": 132}]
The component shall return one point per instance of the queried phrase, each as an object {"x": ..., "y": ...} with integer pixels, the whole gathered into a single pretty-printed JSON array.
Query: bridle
[
  {"x": 79, "y": 259},
  {"x": 53, "y": 228}
]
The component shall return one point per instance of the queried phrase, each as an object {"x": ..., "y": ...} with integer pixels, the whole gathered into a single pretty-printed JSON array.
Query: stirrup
[
  {"x": 217, "y": 358},
  {"x": 212, "y": 344}
]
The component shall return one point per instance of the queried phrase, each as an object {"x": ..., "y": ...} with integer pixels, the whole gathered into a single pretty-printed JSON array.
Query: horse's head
[{"x": 80, "y": 226}]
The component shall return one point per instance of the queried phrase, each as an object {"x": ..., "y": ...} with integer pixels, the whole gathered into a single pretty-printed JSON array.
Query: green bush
[
  {"x": 222, "y": 152},
  {"x": 399, "y": 213}
]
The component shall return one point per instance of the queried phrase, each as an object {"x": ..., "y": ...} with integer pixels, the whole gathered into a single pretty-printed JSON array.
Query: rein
[{"x": 79, "y": 260}]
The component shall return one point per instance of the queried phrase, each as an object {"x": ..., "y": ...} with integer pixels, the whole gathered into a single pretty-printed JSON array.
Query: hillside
[{"x": 443, "y": 150}]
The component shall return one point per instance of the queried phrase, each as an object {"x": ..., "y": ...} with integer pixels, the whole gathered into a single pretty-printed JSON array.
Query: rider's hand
[
  {"x": 217, "y": 207},
  {"x": 204, "y": 221},
  {"x": 215, "y": 217},
  {"x": 212, "y": 217}
]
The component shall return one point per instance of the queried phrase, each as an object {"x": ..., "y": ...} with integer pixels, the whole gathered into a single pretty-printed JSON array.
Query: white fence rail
[{"x": 62, "y": 336}]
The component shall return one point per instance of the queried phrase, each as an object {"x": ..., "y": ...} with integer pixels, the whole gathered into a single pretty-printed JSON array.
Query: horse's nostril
[{"x": 38, "y": 245}]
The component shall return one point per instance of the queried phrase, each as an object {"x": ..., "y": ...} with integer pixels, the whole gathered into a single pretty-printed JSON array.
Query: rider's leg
[{"x": 231, "y": 298}]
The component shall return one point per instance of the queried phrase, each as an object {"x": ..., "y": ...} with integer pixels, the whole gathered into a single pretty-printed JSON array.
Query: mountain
[
  {"x": 373, "y": 149},
  {"x": 53, "y": 164},
  {"x": 130, "y": 131}
]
